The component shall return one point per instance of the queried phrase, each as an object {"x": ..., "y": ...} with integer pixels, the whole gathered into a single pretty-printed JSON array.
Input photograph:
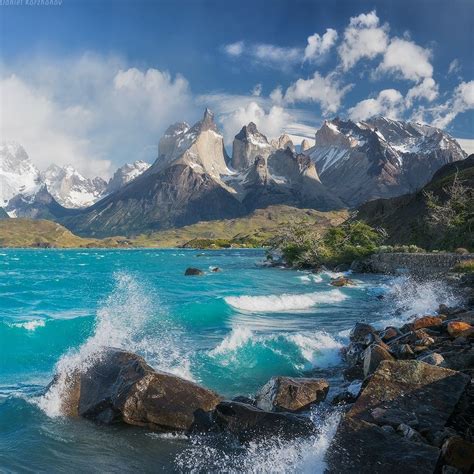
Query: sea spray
[
  {"x": 303, "y": 455},
  {"x": 406, "y": 297},
  {"x": 125, "y": 320},
  {"x": 284, "y": 302}
]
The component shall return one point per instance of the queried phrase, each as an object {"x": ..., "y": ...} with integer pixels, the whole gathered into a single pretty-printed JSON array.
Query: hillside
[
  {"x": 253, "y": 229},
  {"x": 247, "y": 231},
  {"x": 405, "y": 217}
]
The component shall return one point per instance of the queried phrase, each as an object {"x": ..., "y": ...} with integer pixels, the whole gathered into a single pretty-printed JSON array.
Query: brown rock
[
  {"x": 291, "y": 394},
  {"x": 456, "y": 328},
  {"x": 427, "y": 322},
  {"x": 373, "y": 355},
  {"x": 390, "y": 333},
  {"x": 430, "y": 392},
  {"x": 342, "y": 281},
  {"x": 360, "y": 331},
  {"x": 458, "y": 453},
  {"x": 434, "y": 359},
  {"x": 121, "y": 387}
]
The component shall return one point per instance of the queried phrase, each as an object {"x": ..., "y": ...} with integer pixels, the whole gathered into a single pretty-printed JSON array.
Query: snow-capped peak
[
  {"x": 17, "y": 173},
  {"x": 125, "y": 174}
]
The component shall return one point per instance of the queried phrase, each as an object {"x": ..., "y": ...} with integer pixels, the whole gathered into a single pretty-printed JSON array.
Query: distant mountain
[
  {"x": 191, "y": 181},
  {"x": 125, "y": 174},
  {"x": 17, "y": 173},
  {"x": 380, "y": 157},
  {"x": 404, "y": 217},
  {"x": 70, "y": 188}
]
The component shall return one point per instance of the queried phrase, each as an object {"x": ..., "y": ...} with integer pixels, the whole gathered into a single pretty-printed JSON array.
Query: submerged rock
[
  {"x": 342, "y": 281},
  {"x": 191, "y": 271},
  {"x": 121, "y": 387},
  {"x": 291, "y": 394},
  {"x": 248, "y": 422}
]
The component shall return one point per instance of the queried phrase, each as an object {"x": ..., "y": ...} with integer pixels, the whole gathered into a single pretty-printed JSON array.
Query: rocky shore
[{"x": 408, "y": 402}]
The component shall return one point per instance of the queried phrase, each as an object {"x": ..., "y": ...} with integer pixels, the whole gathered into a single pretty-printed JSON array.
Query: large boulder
[
  {"x": 248, "y": 422},
  {"x": 120, "y": 386},
  {"x": 373, "y": 356},
  {"x": 291, "y": 394},
  {"x": 360, "y": 331},
  {"x": 364, "y": 448},
  {"x": 412, "y": 387},
  {"x": 403, "y": 404}
]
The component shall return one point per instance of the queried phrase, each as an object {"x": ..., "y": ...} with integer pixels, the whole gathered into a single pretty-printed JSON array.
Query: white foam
[
  {"x": 123, "y": 321},
  {"x": 30, "y": 325},
  {"x": 284, "y": 302},
  {"x": 414, "y": 298},
  {"x": 267, "y": 455},
  {"x": 317, "y": 349}
]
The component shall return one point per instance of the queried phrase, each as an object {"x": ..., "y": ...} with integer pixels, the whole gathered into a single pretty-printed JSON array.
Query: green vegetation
[
  {"x": 252, "y": 231},
  {"x": 255, "y": 230},
  {"x": 451, "y": 217},
  {"x": 466, "y": 266},
  {"x": 304, "y": 246}
]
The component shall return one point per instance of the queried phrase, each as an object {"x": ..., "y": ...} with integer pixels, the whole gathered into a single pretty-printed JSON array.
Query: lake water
[{"x": 230, "y": 331}]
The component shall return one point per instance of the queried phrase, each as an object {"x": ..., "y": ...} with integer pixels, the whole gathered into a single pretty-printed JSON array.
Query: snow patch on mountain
[{"x": 125, "y": 174}]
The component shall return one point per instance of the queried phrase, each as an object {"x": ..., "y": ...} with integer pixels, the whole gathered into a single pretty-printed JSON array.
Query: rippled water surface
[{"x": 230, "y": 331}]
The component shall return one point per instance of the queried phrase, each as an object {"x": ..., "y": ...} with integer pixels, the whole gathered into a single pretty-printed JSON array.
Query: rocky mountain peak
[
  {"x": 248, "y": 144},
  {"x": 282, "y": 142},
  {"x": 125, "y": 174},
  {"x": 305, "y": 145},
  {"x": 207, "y": 122}
]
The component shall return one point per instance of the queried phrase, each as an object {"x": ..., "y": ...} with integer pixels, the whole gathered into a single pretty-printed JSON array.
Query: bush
[
  {"x": 302, "y": 246},
  {"x": 465, "y": 266}
]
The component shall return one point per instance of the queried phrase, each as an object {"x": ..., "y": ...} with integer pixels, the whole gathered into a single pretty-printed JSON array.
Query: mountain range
[{"x": 194, "y": 179}]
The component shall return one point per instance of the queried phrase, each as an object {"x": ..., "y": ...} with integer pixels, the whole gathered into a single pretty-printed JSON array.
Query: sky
[{"x": 95, "y": 83}]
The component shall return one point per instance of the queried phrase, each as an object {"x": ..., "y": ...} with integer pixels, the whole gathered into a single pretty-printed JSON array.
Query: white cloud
[
  {"x": 271, "y": 122},
  {"x": 320, "y": 45},
  {"x": 234, "y": 49},
  {"x": 389, "y": 103},
  {"x": 454, "y": 66},
  {"x": 90, "y": 111},
  {"x": 427, "y": 89},
  {"x": 257, "y": 90},
  {"x": 324, "y": 90},
  {"x": 276, "y": 95},
  {"x": 467, "y": 145},
  {"x": 407, "y": 59},
  {"x": 363, "y": 38},
  {"x": 275, "y": 55},
  {"x": 442, "y": 115}
]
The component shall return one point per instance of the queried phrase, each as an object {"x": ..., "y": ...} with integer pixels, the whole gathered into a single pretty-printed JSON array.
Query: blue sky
[{"x": 97, "y": 82}]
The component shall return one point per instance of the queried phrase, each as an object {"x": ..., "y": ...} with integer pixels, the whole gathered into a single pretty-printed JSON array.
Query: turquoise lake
[{"x": 230, "y": 331}]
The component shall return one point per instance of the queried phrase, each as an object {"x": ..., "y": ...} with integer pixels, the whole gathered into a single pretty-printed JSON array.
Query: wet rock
[
  {"x": 360, "y": 331},
  {"x": 216, "y": 270},
  {"x": 456, "y": 328},
  {"x": 409, "y": 433},
  {"x": 248, "y": 422},
  {"x": 403, "y": 351},
  {"x": 121, "y": 387},
  {"x": 342, "y": 281},
  {"x": 390, "y": 333},
  {"x": 344, "y": 398},
  {"x": 191, "y": 271},
  {"x": 434, "y": 359},
  {"x": 426, "y": 322},
  {"x": 373, "y": 355},
  {"x": 430, "y": 392},
  {"x": 291, "y": 394},
  {"x": 361, "y": 447},
  {"x": 393, "y": 417},
  {"x": 458, "y": 453}
]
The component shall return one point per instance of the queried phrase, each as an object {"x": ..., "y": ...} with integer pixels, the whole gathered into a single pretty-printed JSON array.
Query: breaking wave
[
  {"x": 302, "y": 351},
  {"x": 269, "y": 455},
  {"x": 284, "y": 302},
  {"x": 125, "y": 321}
]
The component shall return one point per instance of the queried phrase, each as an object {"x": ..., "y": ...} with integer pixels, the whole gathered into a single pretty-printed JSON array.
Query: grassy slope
[{"x": 257, "y": 227}]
